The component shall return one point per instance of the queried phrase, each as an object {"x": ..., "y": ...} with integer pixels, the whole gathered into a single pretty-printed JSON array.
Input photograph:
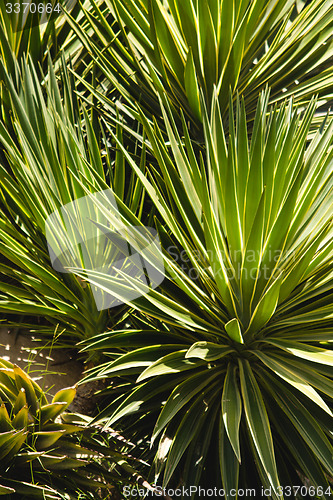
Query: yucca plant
[
  {"x": 53, "y": 146},
  {"x": 234, "y": 362},
  {"x": 29, "y": 34},
  {"x": 184, "y": 47},
  {"x": 50, "y": 454},
  {"x": 26, "y": 32}
]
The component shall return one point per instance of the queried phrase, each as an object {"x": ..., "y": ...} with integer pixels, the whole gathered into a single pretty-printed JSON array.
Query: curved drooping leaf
[{"x": 232, "y": 409}]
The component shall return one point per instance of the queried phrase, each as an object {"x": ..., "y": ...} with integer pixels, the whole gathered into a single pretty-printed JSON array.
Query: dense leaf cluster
[{"x": 204, "y": 119}]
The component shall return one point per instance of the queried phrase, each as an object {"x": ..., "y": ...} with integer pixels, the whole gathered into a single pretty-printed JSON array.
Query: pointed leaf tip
[{"x": 233, "y": 329}]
